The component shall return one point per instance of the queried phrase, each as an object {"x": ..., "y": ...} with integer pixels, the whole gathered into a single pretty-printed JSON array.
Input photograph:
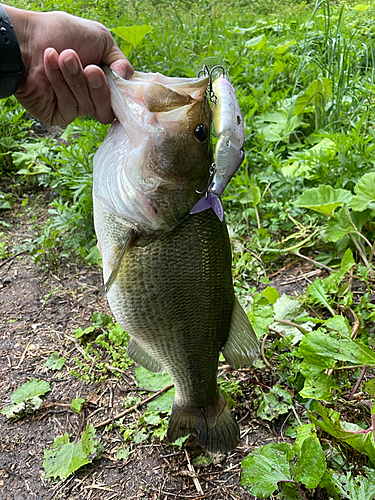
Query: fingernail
[
  {"x": 95, "y": 82},
  {"x": 52, "y": 58},
  {"x": 71, "y": 65}
]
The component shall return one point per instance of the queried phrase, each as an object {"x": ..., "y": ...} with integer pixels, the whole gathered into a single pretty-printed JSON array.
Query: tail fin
[{"x": 215, "y": 426}]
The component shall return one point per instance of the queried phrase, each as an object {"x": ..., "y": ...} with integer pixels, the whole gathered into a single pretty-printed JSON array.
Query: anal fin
[
  {"x": 242, "y": 346},
  {"x": 139, "y": 355}
]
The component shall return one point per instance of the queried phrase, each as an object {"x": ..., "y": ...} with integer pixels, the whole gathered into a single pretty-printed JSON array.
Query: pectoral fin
[
  {"x": 129, "y": 240},
  {"x": 242, "y": 346},
  {"x": 139, "y": 355}
]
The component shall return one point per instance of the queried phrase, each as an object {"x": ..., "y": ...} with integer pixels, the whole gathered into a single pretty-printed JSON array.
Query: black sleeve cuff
[{"x": 12, "y": 69}]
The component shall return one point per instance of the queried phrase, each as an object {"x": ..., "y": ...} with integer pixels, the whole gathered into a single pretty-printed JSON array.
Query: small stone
[{"x": 7, "y": 280}]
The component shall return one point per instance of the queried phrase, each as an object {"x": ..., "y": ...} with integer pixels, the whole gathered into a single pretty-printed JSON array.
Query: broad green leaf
[
  {"x": 156, "y": 382},
  {"x": 180, "y": 441},
  {"x": 304, "y": 432},
  {"x": 80, "y": 333},
  {"x": 76, "y": 405},
  {"x": 339, "y": 324},
  {"x": 276, "y": 402},
  {"x": 318, "y": 292},
  {"x": 265, "y": 467},
  {"x": 360, "y": 487},
  {"x": 286, "y": 307},
  {"x": 323, "y": 199},
  {"x": 6, "y": 201},
  {"x": 252, "y": 195},
  {"x": 339, "y": 225},
  {"x": 311, "y": 463},
  {"x": 322, "y": 147},
  {"x": 261, "y": 315},
  {"x": 150, "y": 380},
  {"x": 331, "y": 282},
  {"x": 304, "y": 161},
  {"x": 370, "y": 387},
  {"x": 16, "y": 411},
  {"x": 281, "y": 49},
  {"x": 351, "y": 434},
  {"x": 161, "y": 431},
  {"x": 361, "y": 7},
  {"x": 277, "y": 126},
  {"x": 256, "y": 43},
  {"x": 140, "y": 437},
  {"x": 332, "y": 482},
  {"x": 29, "y": 390},
  {"x": 271, "y": 294},
  {"x": 101, "y": 320},
  {"x": 152, "y": 419},
  {"x": 317, "y": 345},
  {"x": 365, "y": 193},
  {"x": 317, "y": 93},
  {"x": 64, "y": 458},
  {"x": 123, "y": 453},
  {"x": 289, "y": 309},
  {"x": 319, "y": 387},
  {"x": 54, "y": 362},
  {"x": 132, "y": 34}
]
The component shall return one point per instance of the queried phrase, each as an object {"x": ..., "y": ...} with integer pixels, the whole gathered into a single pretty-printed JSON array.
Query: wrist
[
  {"x": 12, "y": 69},
  {"x": 22, "y": 24}
]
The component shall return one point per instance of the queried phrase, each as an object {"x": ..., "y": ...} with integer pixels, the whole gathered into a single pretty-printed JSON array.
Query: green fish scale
[{"x": 175, "y": 297}]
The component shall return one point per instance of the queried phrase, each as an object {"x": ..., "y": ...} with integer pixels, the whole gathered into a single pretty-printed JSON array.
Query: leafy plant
[
  {"x": 104, "y": 349},
  {"x": 54, "y": 362},
  {"x": 65, "y": 457},
  {"x": 26, "y": 399}
]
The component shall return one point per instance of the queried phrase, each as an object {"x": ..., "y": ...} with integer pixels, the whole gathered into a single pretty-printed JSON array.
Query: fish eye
[{"x": 201, "y": 132}]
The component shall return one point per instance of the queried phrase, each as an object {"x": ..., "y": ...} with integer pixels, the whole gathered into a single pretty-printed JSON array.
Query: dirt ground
[{"x": 40, "y": 309}]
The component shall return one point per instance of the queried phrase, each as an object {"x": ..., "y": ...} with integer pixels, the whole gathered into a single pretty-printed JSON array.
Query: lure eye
[{"x": 201, "y": 133}]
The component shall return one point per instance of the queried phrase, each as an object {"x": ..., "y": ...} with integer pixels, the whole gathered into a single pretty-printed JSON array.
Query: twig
[
  {"x": 273, "y": 330},
  {"x": 129, "y": 410},
  {"x": 372, "y": 247},
  {"x": 297, "y": 252},
  {"x": 358, "y": 383},
  {"x": 114, "y": 369},
  {"x": 297, "y": 417},
  {"x": 361, "y": 250},
  {"x": 23, "y": 355},
  {"x": 355, "y": 327},
  {"x": 194, "y": 477},
  {"x": 256, "y": 382},
  {"x": 12, "y": 257},
  {"x": 262, "y": 346},
  {"x": 300, "y": 277},
  {"x": 251, "y": 253},
  {"x": 290, "y": 323}
]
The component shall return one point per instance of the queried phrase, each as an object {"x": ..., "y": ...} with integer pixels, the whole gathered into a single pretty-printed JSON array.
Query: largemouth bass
[{"x": 171, "y": 286}]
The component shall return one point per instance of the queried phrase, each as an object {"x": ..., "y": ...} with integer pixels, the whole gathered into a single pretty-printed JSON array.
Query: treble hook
[
  {"x": 208, "y": 72},
  {"x": 212, "y": 172}
]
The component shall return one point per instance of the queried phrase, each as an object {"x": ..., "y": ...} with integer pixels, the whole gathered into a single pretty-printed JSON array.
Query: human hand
[{"x": 61, "y": 54}]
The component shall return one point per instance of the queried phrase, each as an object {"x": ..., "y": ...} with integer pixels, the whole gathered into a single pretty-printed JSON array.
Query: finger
[
  {"x": 123, "y": 68},
  {"x": 99, "y": 93},
  {"x": 115, "y": 59},
  {"x": 65, "y": 104},
  {"x": 72, "y": 71}
]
